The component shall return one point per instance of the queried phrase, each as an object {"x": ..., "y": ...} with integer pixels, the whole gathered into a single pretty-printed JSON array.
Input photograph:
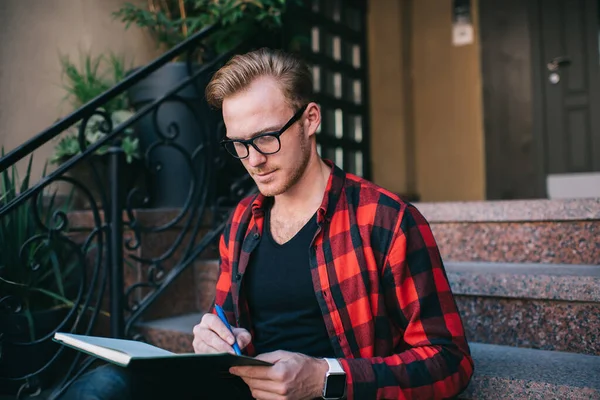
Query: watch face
[{"x": 336, "y": 384}]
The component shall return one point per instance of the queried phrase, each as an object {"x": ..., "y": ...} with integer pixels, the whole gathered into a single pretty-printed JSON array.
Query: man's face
[{"x": 262, "y": 108}]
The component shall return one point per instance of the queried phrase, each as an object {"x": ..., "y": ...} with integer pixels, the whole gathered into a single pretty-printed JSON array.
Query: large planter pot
[
  {"x": 17, "y": 361},
  {"x": 179, "y": 125}
]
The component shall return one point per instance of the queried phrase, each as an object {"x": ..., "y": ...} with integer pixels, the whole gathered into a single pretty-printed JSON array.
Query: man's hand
[
  {"x": 212, "y": 336},
  {"x": 294, "y": 376}
]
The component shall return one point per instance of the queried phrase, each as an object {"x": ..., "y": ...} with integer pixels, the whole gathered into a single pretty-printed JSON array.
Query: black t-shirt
[{"x": 283, "y": 307}]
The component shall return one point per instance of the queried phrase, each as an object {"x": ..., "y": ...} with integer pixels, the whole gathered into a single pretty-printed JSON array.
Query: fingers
[
  {"x": 213, "y": 323},
  {"x": 267, "y": 394},
  {"x": 242, "y": 336},
  {"x": 275, "y": 356},
  {"x": 265, "y": 389},
  {"x": 262, "y": 395},
  {"x": 212, "y": 336},
  {"x": 254, "y": 372},
  {"x": 207, "y": 342}
]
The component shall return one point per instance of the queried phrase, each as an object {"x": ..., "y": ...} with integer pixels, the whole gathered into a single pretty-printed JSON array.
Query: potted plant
[
  {"x": 170, "y": 22},
  {"x": 94, "y": 76},
  {"x": 38, "y": 278}
]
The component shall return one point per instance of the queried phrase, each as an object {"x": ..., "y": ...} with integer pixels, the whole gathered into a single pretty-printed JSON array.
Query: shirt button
[
  {"x": 238, "y": 277},
  {"x": 256, "y": 236}
]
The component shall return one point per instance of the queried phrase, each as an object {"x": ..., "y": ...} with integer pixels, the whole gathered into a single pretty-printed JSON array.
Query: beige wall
[
  {"x": 426, "y": 105},
  {"x": 449, "y": 139},
  {"x": 444, "y": 136},
  {"x": 387, "y": 92},
  {"x": 33, "y": 33}
]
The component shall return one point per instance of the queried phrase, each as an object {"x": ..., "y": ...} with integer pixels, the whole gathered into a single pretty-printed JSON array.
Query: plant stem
[
  {"x": 182, "y": 16},
  {"x": 166, "y": 8},
  {"x": 30, "y": 322}
]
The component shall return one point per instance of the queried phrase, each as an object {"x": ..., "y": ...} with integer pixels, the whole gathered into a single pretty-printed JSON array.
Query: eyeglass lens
[{"x": 265, "y": 144}]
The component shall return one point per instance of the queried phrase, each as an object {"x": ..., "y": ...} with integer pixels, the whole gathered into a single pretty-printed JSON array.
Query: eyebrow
[{"x": 268, "y": 129}]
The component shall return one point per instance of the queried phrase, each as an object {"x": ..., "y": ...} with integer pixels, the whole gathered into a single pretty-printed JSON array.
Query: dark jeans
[{"x": 110, "y": 382}]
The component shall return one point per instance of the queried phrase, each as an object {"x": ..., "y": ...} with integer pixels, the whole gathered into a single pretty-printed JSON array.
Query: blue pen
[{"x": 221, "y": 314}]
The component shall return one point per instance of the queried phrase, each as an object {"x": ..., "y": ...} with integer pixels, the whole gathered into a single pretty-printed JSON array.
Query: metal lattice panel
[{"x": 335, "y": 46}]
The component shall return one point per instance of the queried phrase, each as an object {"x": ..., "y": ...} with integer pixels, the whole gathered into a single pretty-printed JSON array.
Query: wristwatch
[{"x": 335, "y": 380}]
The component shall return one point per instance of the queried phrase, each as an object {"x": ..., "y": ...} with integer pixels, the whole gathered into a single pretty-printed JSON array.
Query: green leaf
[
  {"x": 25, "y": 183},
  {"x": 62, "y": 299},
  {"x": 83, "y": 83},
  {"x": 166, "y": 22},
  {"x": 12, "y": 283},
  {"x": 30, "y": 323},
  {"x": 57, "y": 273},
  {"x": 16, "y": 229}
]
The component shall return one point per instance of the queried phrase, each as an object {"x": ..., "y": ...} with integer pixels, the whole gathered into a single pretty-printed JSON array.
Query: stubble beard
[{"x": 296, "y": 172}]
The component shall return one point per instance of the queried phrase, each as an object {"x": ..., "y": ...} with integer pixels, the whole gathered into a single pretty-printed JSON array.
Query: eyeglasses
[{"x": 265, "y": 143}]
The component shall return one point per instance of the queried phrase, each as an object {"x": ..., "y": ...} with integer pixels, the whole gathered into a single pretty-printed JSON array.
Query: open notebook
[{"x": 130, "y": 353}]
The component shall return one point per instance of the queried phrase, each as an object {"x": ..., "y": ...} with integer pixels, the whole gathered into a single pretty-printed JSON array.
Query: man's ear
[{"x": 313, "y": 118}]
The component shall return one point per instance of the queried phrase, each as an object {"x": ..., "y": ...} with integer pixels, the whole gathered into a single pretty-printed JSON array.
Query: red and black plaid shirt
[{"x": 381, "y": 285}]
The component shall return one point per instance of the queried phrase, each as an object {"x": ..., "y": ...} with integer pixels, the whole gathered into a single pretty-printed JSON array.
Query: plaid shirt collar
[{"x": 335, "y": 185}]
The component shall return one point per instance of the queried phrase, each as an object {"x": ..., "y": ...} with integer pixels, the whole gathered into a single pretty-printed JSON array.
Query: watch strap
[{"x": 335, "y": 367}]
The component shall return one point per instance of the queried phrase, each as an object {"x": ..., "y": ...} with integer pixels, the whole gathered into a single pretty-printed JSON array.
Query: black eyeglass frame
[{"x": 276, "y": 135}]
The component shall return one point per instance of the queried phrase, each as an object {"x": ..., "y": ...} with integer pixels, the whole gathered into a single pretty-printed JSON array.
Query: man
[
  {"x": 334, "y": 280},
  {"x": 322, "y": 264}
]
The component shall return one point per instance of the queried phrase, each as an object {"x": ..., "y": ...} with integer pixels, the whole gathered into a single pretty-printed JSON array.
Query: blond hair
[{"x": 292, "y": 73}]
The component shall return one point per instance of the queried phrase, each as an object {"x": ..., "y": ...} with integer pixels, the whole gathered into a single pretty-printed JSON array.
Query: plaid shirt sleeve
[
  {"x": 223, "y": 295},
  {"x": 232, "y": 236},
  {"x": 432, "y": 359}
]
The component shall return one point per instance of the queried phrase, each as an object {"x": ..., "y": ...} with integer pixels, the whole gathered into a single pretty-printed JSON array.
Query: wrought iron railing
[{"x": 88, "y": 261}]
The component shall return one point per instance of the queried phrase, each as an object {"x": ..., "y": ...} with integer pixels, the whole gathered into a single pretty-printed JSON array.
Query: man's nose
[{"x": 255, "y": 158}]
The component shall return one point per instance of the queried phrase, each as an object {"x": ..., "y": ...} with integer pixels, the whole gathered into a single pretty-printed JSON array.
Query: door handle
[{"x": 557, "y": 62}]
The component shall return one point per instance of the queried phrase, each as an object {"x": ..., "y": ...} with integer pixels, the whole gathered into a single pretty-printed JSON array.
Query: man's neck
[{"x": 307, "y": 194}]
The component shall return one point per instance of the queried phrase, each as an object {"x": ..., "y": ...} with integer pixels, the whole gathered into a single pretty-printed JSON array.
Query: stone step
[
  {"x": 504, "y": 372},
  {"x": 173, "y": 333},
  {"x": 205, "y": 281},
  {"x": 191, "y": 292},
  {"x": 167, "y": 244},
  {"x": 501, "y": 372},
  {"x": 543, "y": 306},
  {"x": 536, "y": 231}
]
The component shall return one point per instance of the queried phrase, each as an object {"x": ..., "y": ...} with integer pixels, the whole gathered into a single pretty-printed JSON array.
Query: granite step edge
[
  {"x": 534, "y": 210},
  {"x": 531, "y": 268},
  {"x": 519, "y": 373},
  {"x": 495, "y": 388},
  {"x": 525, "y": 280}
]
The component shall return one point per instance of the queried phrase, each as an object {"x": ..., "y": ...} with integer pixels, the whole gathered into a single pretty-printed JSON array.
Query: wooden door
[
  {"x": 541, "y": 90},
  {"x": 569, "y": 66},
  {"x": 506, "y": 64}
]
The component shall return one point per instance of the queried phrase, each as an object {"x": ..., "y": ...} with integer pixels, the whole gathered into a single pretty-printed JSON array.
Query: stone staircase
[
  {"x": 526, "y": 276},
  {"x": 541, "y": 306}
]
